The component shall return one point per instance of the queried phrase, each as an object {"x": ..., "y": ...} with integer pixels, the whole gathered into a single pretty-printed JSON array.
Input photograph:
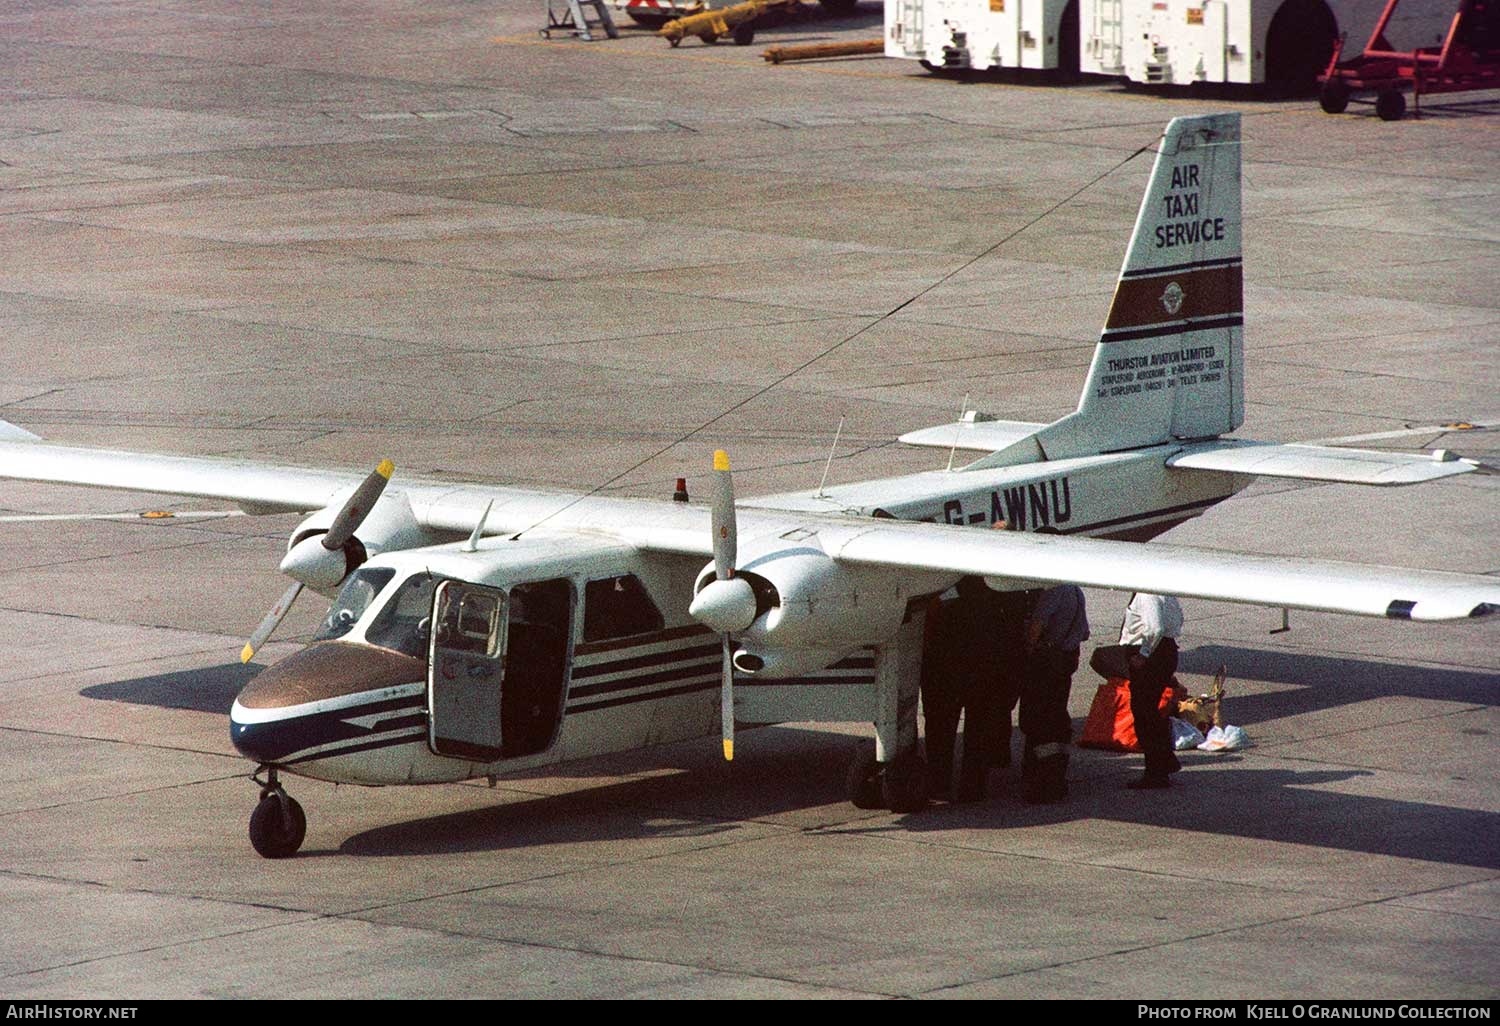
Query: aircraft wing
[
  {"x": 894, "y": 545},
  {"x": 1320, "y": 462},
  {"x": 256, "y": 487},
  {"x": 1322, "y": 585}
]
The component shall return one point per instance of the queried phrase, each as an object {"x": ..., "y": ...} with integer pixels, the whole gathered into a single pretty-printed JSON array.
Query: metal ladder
[
  {"x": 568, "y": 16},
  {"x": 1106, "y": 42}
]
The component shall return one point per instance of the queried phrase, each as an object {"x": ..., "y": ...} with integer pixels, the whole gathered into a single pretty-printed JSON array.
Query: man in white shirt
[{"x": 1147, "y": 655}]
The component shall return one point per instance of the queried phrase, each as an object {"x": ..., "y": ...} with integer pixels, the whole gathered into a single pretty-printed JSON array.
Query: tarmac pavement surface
[{"x": 332, "y": 233}]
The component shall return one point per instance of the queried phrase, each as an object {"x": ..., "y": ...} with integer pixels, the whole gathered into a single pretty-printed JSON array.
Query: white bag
[
  {"x": 1185, "y": 735},
  {"x": 1225, "y": 739}
]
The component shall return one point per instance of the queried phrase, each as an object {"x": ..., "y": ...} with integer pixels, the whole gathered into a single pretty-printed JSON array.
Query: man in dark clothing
[
  {"x": 962, "y": 661},
  {"x": 1058, "y": 625}
]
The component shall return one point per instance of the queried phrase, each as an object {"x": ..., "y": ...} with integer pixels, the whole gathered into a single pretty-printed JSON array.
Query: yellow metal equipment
[
  {"x": 814, "y": 51},
  {"x": 736, "y": 22}
]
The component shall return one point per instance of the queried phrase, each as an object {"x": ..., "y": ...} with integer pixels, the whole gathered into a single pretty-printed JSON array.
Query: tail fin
[{"x": 1170, "y": 362}]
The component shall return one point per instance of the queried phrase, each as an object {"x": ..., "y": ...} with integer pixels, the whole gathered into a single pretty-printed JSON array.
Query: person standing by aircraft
[
  {"x": 1147, "y": 655},
  {"x": 1056, "y": 628},
  {"x": 1012, "y": 610},
  {"x": 961, "y": 664}
]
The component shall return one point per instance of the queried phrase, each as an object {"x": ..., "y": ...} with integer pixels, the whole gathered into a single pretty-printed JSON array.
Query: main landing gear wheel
[
  {"x": 862, "y": 781},
  {"x": 278, "y": 824},
  {"x": 903, "y": 785}
]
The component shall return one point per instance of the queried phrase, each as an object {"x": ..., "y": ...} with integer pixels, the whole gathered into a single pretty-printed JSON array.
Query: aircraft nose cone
[{"x": 319, "y": 699}]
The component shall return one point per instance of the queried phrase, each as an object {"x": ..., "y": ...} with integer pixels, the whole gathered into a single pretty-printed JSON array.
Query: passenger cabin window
[
  {"x": 352, "y": 601},
  {"x": 617, "y": 607}
]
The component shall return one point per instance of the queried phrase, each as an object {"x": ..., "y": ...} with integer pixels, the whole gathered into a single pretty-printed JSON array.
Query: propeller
[
  {"x": 727, "y": 603},
  {"x": 324, "y": 560}
]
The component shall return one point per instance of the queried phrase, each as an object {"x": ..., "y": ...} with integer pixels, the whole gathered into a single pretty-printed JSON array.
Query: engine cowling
[
  {"x": 391, "y": 524},
  {"x": 810, "y": 611}
]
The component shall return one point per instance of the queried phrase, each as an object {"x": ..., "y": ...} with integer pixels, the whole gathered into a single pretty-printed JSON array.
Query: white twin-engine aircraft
[{"x": 478, "y": 630}]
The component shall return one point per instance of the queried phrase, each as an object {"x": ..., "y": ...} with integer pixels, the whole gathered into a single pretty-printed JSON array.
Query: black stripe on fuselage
[
  {"x": 1150, "y": 514},
  {"x": 648, "y": 659},
  {"x": 388, "y": 741},
  {"x": 610, "y": 703},
  {"x": 644, "y": 679}
]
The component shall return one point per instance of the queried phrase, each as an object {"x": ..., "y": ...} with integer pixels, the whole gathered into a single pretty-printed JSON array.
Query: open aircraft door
[
  {"x": 497, "y": 674},
  {"x": 465, "y": 667}
]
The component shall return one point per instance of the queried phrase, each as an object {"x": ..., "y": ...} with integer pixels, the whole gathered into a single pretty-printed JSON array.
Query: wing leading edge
[{"x": 1322, "y": 585}]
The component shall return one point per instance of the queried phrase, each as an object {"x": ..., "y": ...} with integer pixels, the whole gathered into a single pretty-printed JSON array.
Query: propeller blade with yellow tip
[
  {"x": 725, "y": 550},
  {"x": 271, "y": 621},
  {"x": 726, "y": 701},
  {"x": 358, "y": 506}
]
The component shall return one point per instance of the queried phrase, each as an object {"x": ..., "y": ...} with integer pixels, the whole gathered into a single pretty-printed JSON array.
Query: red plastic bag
[{"x": 1110, "y": 725}]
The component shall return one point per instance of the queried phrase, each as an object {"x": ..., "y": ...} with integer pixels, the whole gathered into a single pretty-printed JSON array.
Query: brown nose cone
[{"x": 329, "y": 669}]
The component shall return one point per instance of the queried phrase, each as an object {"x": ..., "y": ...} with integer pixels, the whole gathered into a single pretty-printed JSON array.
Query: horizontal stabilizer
[
  {"x": 976, "y": 435},
  {"x": 1320, "y": 462},
  {"x": 10, "y": 432}
]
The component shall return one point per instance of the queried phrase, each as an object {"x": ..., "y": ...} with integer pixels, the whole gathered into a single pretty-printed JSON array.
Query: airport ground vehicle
[{"x": 1281, "y": 44}]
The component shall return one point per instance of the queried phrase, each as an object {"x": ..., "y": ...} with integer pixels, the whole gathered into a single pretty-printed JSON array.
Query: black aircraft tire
[
  {"x": 270, "y": 835},
  {"x": 1334, "y": 96},
  {"x": 903, "y": 785},
  {"x": 1390, "y": 105},
  {"x": 862, "y": 781}
]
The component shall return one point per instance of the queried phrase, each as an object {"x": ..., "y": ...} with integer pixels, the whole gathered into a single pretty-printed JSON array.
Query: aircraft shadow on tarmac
[
  {"x": 209, "y": 689},
  {"x": 1324, "y": 682},
  {"x": 784, "y": 770}
]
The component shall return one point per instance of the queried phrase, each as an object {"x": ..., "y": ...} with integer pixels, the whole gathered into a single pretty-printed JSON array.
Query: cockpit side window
[
  {"x": 406, "y": 621},
  {"x": 352, "y": 601},
  {"x": 617, "y": 607}
]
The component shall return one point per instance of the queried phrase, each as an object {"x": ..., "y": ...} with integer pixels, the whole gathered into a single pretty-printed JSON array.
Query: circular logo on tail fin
[{"x": 1172, "y": 298}]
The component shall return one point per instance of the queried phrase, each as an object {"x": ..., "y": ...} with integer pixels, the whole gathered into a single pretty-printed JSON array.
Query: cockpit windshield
[
  {"x": 406, "y": 621},
  {"x": 353, "y": 599}
]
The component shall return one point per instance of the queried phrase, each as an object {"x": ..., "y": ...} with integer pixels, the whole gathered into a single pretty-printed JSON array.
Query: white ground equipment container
[
  {"x": 962, "y": 35},
  {"x": 1284, "y": 44}
]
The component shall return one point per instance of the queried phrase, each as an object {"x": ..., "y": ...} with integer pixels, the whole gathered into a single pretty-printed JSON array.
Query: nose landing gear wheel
[{"x": 278, "y": 824}]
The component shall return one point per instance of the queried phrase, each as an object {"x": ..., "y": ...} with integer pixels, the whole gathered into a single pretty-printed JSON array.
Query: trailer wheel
[
  {"x": 1390, "y": 105},
  {"x": 744, "y": 33},
  {"x": 1334, "y": 96},
  {"x": 709, "y": 38}
]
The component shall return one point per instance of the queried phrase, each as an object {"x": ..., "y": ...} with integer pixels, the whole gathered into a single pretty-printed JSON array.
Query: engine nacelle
[
  {"x": 391, "y": 524},
  {"x": 810, "y": 610},
  {"x": 781, "y": 663}
]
